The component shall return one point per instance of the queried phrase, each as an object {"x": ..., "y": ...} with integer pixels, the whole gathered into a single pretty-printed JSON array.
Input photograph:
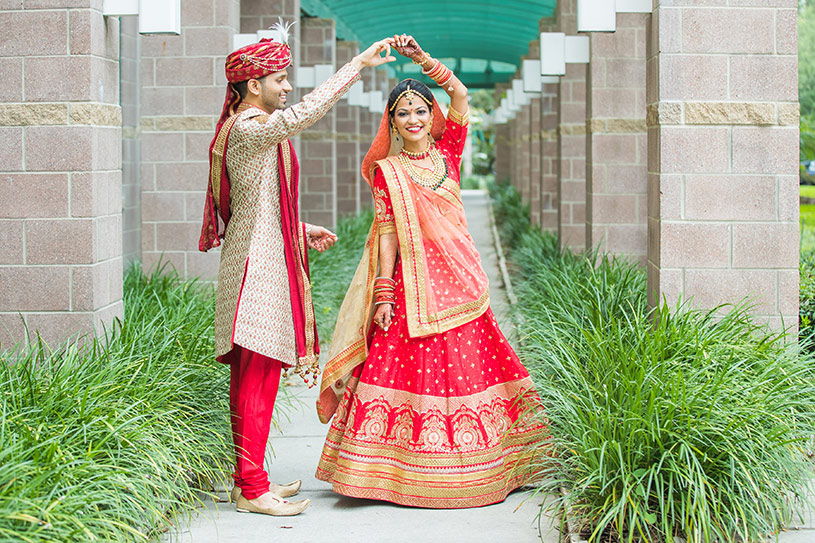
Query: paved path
[{"x": 296, "y": 448}]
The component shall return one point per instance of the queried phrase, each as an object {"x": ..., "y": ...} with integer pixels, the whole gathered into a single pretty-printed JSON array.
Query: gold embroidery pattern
[
  {"x": 382, "y": 215},
  {"x": 414, "y": 450},
  {"x": 253, "y": 241},
  {"x": 458, "y": 118}
]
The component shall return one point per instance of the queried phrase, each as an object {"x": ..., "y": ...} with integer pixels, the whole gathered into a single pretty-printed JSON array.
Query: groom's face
[{"x": 271, "y": 90}]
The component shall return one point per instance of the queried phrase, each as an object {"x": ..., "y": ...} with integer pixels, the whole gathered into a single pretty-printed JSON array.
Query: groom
[{"x": 264, "y": 318}]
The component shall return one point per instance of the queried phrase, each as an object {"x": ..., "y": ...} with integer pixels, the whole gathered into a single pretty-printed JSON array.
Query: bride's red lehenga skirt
[{"x": 445, "y": 421}]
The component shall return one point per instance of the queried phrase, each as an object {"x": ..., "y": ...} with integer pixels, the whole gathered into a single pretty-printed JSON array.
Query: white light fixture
[
  {"x": 558, "y": 49},
  {"x": 518, "y": 93},
  {"x": 354, "y": 94},
  {"x": 376, "y": 102},
  {"x": 577, "y": 50},
  {"x": 596, "y": 15},
  {"x": 242, "y": 40},
  {"x": 512, "y": 106},
  {"x": 553, "y": 49},
  {"x": 304, "y": 77},
  {"x": 531, "y": 75},
  {"x": 601, "y": 15},
  {"x": 117, "y": 8},
  {"x": 634, "y": 6},
  {"x": 159, "y": 16},
  {"x": 322, "y": 72}
]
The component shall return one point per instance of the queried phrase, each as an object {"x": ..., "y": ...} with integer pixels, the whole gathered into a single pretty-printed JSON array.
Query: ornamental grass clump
[
  {"x": 106, "y": 442},
  {"x": 676, "y": 425}
]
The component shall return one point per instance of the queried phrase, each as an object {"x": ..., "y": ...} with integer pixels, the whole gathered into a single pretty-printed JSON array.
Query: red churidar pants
[{"x": 254, "y": 381}]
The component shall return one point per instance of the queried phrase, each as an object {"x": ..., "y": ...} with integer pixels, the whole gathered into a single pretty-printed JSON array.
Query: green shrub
[
  {"x": 669, "y": 424},
  {"x": 110, "y": 440},
  {"x": 510, "y": 213},
  {"x": 106, "y": 441}
]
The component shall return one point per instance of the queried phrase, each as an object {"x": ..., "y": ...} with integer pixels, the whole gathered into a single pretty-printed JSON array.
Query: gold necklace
[
  {"x": 431, "y": 179},
  {"x": 420, "y": 154}
]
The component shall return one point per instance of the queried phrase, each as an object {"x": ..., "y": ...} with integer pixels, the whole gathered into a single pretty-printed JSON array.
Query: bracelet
[
  {"x": 439, "y": 73},
  {"x": 383, "y": 303}
]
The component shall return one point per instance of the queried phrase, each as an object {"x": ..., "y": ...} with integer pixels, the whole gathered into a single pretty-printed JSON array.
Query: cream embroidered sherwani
[{"x": 253, "y": 305}]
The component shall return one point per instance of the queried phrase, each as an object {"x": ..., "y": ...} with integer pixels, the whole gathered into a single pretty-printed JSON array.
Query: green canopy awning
[{"x": 485, "y": 39}]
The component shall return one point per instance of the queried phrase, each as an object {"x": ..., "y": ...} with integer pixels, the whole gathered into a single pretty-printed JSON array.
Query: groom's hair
[{"x": 415, "y": 85}]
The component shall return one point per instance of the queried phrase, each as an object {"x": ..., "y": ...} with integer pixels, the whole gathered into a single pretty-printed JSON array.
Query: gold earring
[{"x": 395, "y": 132}]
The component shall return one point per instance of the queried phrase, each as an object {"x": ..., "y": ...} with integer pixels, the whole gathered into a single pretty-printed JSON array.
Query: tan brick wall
[
  {"x": 550, "y": 163},
  {"x": 182, "y": 92},
  {"x": 535, "y": 148},
  {"x": 318, "y": 144},
  {"x": 60, "y": 160},
  {"x": 572, "y": 157},
  {"x": 131, "y": 142},
  {"x": 616, "y": 152},
  {"x": 723, "y": 156},
  {"x": 571, "y": 140},
  {"x": 348, "y": 143}
]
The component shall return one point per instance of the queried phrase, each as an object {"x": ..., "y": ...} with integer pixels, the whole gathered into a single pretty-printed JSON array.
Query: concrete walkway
[{"x": 295, "y": 449}]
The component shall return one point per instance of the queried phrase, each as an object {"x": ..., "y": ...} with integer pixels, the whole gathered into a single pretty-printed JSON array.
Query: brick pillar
[
  {"x": 503, "y": 134},
  {"x": 535, "y": 175},
  {"x": 368, "y": 125},
  {"x": 318, "y": 144},
  {"x": 524, "y": 147},
  {"x": 616, "y": 145},
  {"x": 515, "y": 151},
  {"x": 131, "y": 144},
  {"x": 723, "y": 157},
  {"x": 550, "y": 158},
  {"x": 572, "y": 141},
  {"x": 60, "y": 151},
  {"x": 348, "y": 143},
  {"x": 183, "y": 88},
  {"x": 572, "y": 157}
]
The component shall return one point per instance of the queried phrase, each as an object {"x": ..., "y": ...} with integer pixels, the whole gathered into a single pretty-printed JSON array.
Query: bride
[{"x": 431, "y": 406}]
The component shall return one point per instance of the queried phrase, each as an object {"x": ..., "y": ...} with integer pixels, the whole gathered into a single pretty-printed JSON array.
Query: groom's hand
[
  {"x": 320, "y": 239},
  {"x": 372, "y": 56}
]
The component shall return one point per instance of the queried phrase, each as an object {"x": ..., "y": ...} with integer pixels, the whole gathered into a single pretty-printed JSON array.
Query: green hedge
[
  {"x": 665, "y": 424},
  {"x": 109, "y": 441},
  {"x": 106, "y": 441}
]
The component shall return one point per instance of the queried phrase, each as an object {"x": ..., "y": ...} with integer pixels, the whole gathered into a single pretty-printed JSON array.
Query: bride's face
[{"x": 412, "y": 120}]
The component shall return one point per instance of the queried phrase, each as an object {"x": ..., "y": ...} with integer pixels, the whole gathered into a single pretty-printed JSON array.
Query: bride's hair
[{"x": 415, "y": 85}]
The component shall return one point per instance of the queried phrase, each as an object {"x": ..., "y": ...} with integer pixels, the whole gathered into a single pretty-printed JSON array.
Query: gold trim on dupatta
[{"x": 349, "y": 345}]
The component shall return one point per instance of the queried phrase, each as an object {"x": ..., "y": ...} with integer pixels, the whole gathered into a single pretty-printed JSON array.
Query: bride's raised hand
[{"x": 407, "y": 46}]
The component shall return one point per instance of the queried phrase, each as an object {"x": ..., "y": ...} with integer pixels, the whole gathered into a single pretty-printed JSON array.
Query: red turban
[{"x": 250, "y": 62}]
